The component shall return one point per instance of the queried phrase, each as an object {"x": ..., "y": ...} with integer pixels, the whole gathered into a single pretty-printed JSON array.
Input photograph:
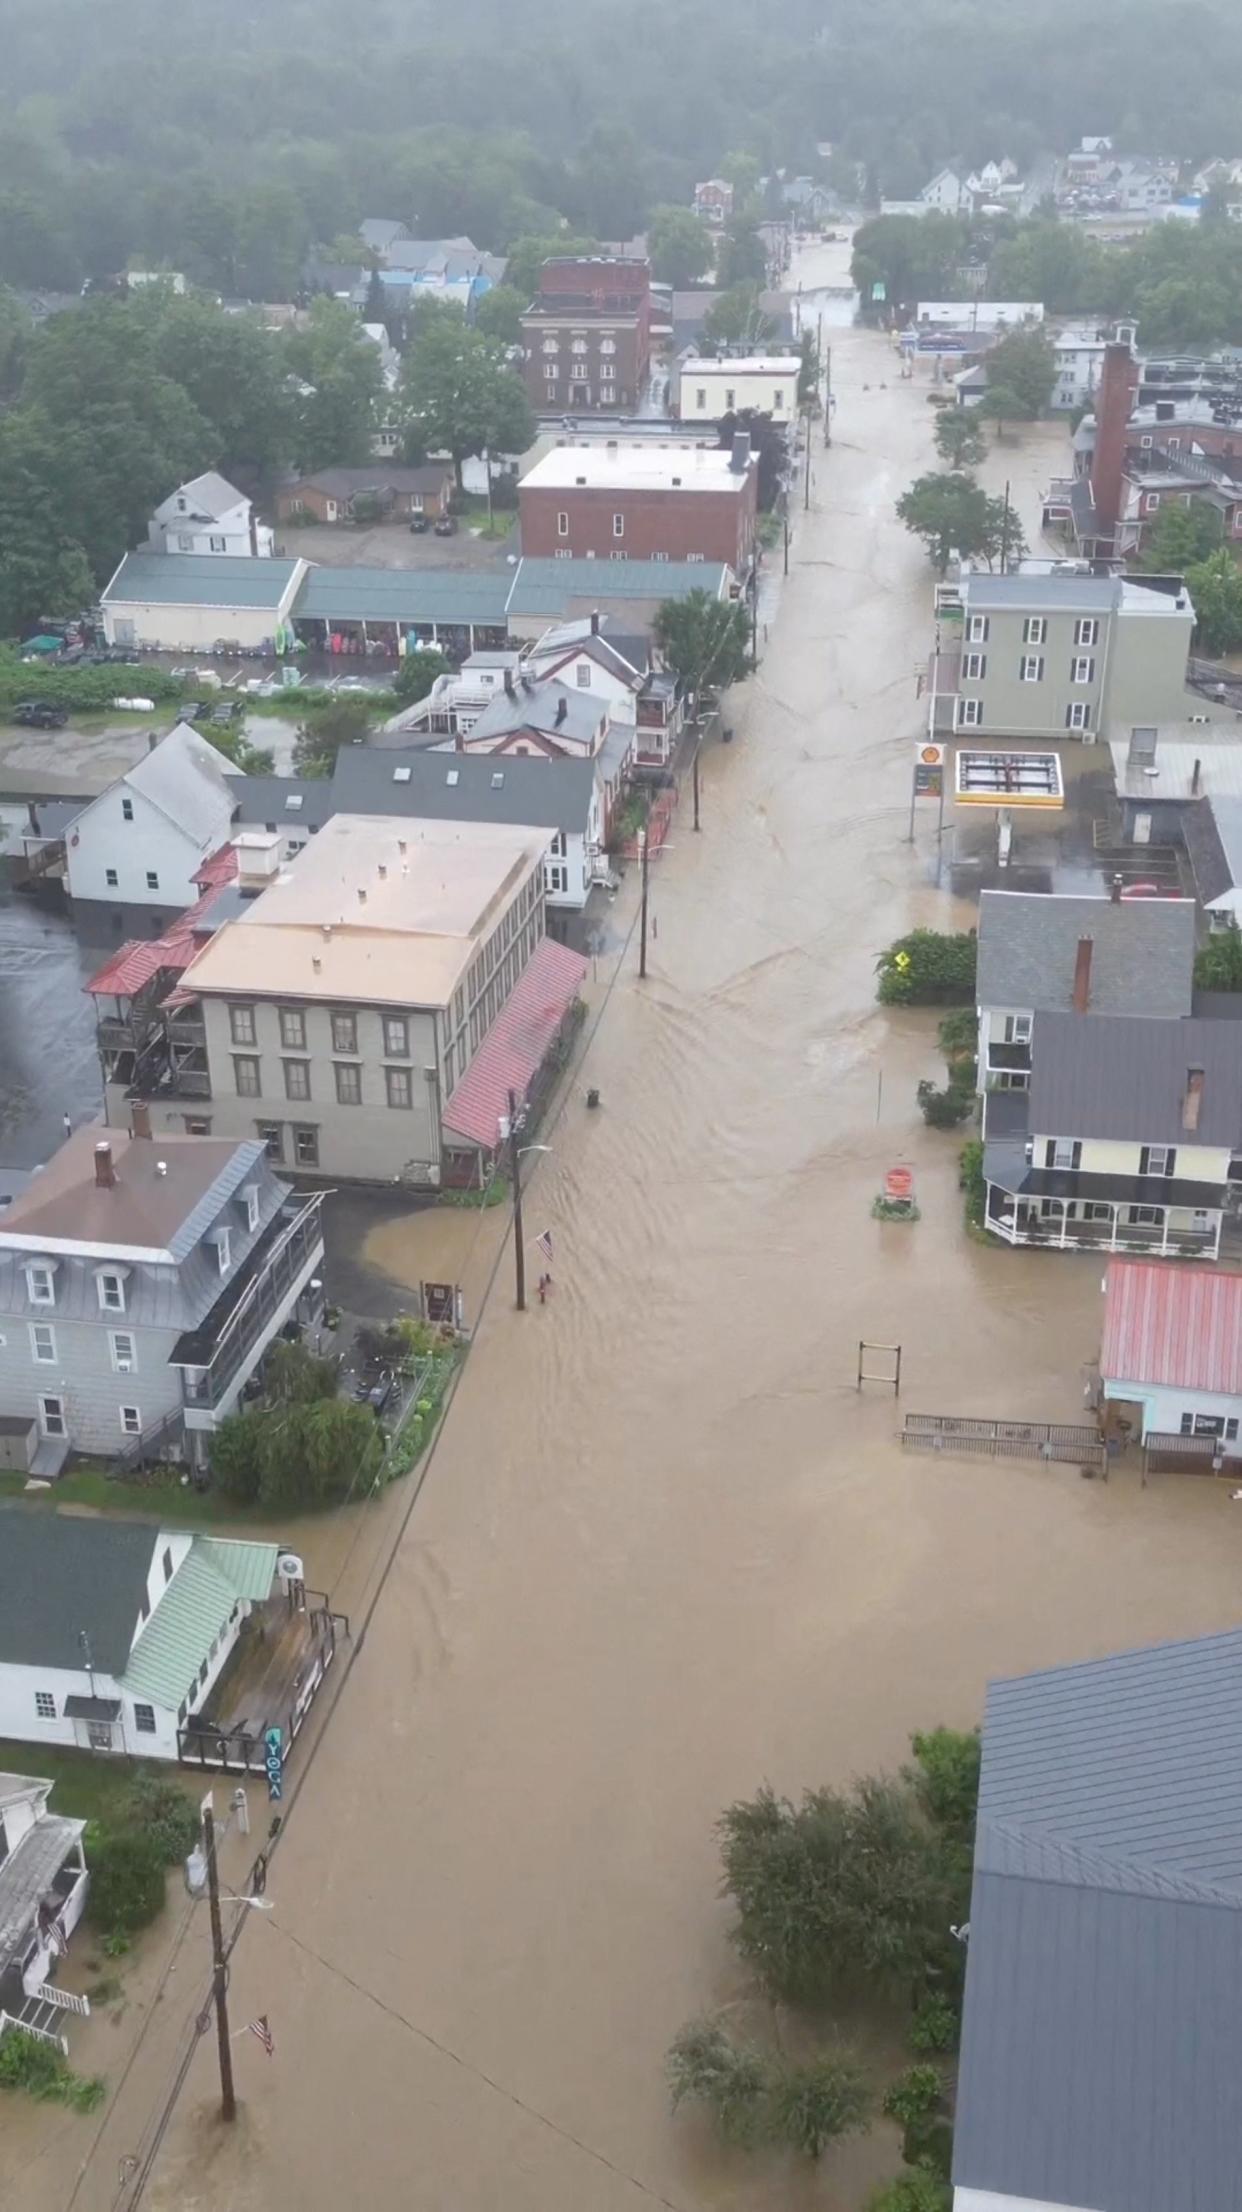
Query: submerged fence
[{"x": 1076, "y": 1442}]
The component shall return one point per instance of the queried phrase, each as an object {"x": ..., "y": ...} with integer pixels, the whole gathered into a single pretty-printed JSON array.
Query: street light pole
[
  {"x": 515, "y": 1170},
  {"x": 694, "y": 772},
  {"x": 645, "y": 850},
  {"x": 219, "y": 1966}
]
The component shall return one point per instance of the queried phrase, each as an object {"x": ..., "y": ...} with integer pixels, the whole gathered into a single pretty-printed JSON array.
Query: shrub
[
  {"x": 127, "y": 1880},
  {"x": 928, "y": 2144},
  {"x": 921, "y": 2192},
  {"x": 946, "y": 1777},
  {"x": 1218, "y": 963},
  {"x": 732, "y": 2079},
  {"x": 915, "y": 2095},
  {"x": 970, "y": 1180},
  {"x": 935, "y": 2025},
  {"x": 235, "y": 1463},
  {"x": 944, "y": 1109},
  {"x": 958, "y": 1035},
  {"x": 27, "y": 2062},
  {"x": 928, "y": 968},
  {"x": 293, "y": 1374},
  {"x": 158, "y": 1808},
  {"x": 813, "y": 2105}
]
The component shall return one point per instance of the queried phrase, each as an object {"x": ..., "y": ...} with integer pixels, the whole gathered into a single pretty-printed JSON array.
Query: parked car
[
  {"x": 40, "y": 714},
  {"x": 225, "y": 712},
  {"x": 446, "y": 526},
  {"x": 420, "y": 524}
]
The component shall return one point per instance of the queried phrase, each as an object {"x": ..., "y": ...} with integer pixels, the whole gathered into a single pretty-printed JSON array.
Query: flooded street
[{"x": 665, "y": 1550}]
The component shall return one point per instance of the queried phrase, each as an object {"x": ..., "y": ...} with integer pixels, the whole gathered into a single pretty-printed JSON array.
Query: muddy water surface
[{"x": 666, "y": 1549}]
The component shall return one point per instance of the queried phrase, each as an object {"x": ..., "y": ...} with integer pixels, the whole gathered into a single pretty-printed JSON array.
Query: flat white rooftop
[
  {"x": 743, "y": 364},
  {"x": 699, "y": 468}
]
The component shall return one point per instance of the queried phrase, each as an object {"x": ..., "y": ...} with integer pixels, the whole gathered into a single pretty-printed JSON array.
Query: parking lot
[{"x": 392, "y": 545}]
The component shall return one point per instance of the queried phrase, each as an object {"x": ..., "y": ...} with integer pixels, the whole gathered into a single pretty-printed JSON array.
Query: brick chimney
[
  {"x": 1118, "y": 385},
  {"x": 1193, "y": 1099},
  {"x": 1082, "y": 976},
  {"x": 105, "y": 1173},
  {"x": 140, "y": 1119}
]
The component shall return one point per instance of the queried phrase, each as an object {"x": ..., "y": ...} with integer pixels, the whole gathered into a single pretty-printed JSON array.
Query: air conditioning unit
[
  {"x": 289, "y": 1567},
  {"x": 125, "y": 1367}
]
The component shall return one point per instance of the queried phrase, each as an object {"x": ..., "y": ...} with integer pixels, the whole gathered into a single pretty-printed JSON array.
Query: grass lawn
[
  {"x": 88, "y": 1785},
  {"x": 170, "y": 1501}
]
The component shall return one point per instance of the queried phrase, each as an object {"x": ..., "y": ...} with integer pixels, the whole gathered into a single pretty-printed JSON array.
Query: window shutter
[
  {"x": 1170, "y": 1164},
  {"x": 1050, "y": 1153},
  {"x": 1145, "y": 1159},
  {"x": 1076, "y": 1158}
]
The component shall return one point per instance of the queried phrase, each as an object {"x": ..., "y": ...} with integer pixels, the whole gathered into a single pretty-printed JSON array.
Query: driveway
[{"x": 393, "y": 545}]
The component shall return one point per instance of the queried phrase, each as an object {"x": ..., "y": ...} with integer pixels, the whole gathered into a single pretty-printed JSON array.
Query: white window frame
[
  {"x": 44, "y": 1698},
  {"x": 1078, "y": 715},
  {"x": 223, "y": 1250},
  {"x": 618, "y": 526},
  {"x": 1082, "y": 668},
  {"x": 977, "y": 629},
  {"x": 251, "y": 1196},
  {"x": 1063, "y": 1153},
  {"x": 131, "y": 1420},
  {"x": 105, "y": 1276},
  {"x": 53, "y": 1398},
  {"x": 1031, "y": 668},
  {"x": 549, "y": 372},
  {"x": 144, "y": 1727},
  {"x": 562, "y": 523},
  {"x": 969, "y": 713},
  {"x": 974, "y": 667},
  {"x": 1035, "y": 630},
  {"x": 1087, "y": 631},
  {"x": 40, "y": 1283},
  {"x": 556, "y": 875},
  {"x": 1165, "y": 1154},
  {"x": 1017, "y": 1029},
  {"x": 123, "y": 1363},
  {"x": 44, "y": 1330}
]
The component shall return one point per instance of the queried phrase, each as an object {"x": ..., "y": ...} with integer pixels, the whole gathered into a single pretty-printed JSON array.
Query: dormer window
[
  {"x": 110, "y": 1289},
  {"x": 40, "y": 1283}
]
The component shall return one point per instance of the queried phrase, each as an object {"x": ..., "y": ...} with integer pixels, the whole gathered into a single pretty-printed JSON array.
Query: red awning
[{"x": 513, "y": 1049}]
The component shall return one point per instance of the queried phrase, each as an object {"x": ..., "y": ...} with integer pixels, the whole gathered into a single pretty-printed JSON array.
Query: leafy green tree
[
  {"x": 815, "y": 2104},
  {"x": 158, "y": 1807},
  {"x": 236, "y": 1466},
  {"x": 230, "y": 369},
  {"x": 460, "y": 395},
  {"x": 1191, "y": 311},
  {"x": 742, "y": 171},
  {"x": 292, "y": 1375},
  {"x": 1218, "y": 962},
  {"x": 1024, "y": 362},
  {"x": 914, "y": 257},
  {"x": 605, "y": 184},
  {"x": 43, "y": 570},
  {"x": 913, "y": 2192},
  {"x": 416, "y": 674},
  {"x": 959, "y": 437},
  {"x": 527, "y": 257},
  {"x": 733, "y": 2080},
  {"x": 253, "y": 760},
  {"x": 499, "y": 314},
  {"x": 740, "y": 259},
  {"x": 928, "y": 968},
  {"x": 1001, "y": 404},
  {"x": 318, "y": 1453},
  {"x": 320, "y": 737},
  {"x": 945, "y": 1773},
  {"x": 953, "y": 514},
  {"x": 127, "y": 1880},
  {"x": 339, "y": 388},
  {"x": 15, "y": 333},
  {"x": 736, "y": 318},
  {"x": 680, "y": 249},
  {"x": 1181, "y": 537},
  {"x": 704, "y": 641},
  {"x": 1215, "y": 587},
  {"x": 915, "y": 2095}
]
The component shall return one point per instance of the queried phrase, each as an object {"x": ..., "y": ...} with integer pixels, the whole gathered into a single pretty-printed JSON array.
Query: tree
[
  {"x": 736, "y": 318},
  {"x": 319, "y": 1452},
  {"x": 43, "y": 570},
  {"x": 1215, "y": 588},
  {"x": 231, "y": 370},
  {"x": 959, "y": 438},
  {"x": 1197, "y": 310},
  {"x": 1001, "y": 404},
  {"x": 742, "y": 171},
  {"x": 416, "y": 674},
  {"x": 158, "y": 1808},
  {"x": 320, "y": 737},
  {"x": 815, "y": 2104},
  {"x": 704, "y": 641},
  {"x": 945, "y": 1773},
  {"x": 1218, "y": 962},
  {"x": 1024, "y": 363},
  {"x": 740, "y": 259},
  {"x": 339, "y": 388},
  {"x": 840, "y": 1887},
  {"x": 913, "y": 257},
  {"x": 1181, "y": 537},
  {"x": 928, "y": 968},
  {"x": 127, "y": 1880},
  {"x": 292, "y": 1375},
  {"x": 527, "y": 256},
  {"x": 953, "y": 514},
  {"x": 604, "y": 182},
  {"x": 462, "y": 398},
  {"x": 679, "y": 247},
  {"x": 499, "y": 314},
  {"x": 733, "y": 2080},
  {"x": 914, "y": 2192},
  {"x": 768, "y": 442}
]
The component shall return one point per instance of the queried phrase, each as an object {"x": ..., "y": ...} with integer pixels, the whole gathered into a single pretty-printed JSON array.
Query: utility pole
[
  {"x": 828, "y": 395},
  {"x": 785, "y": 519},
  {"x": 515, "y": 1171},
  {"x": 694, "y": 772},
  {"x": 219, "y": 1967},
  {"x": 806, "y": 499},
  {"x": 1004, "y": 550},
  {"x": 645, "y": 848}
]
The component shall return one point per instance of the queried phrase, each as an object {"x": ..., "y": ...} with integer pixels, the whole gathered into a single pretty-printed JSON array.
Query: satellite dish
[{"x": 289, "y": 1567}]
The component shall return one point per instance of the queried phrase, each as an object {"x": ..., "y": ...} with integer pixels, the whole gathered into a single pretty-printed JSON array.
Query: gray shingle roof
[
  {"x": 549, "y": 794},
  {"x": 1142, "y": 952},
  {"x": 403, "y": 595},
  {"x": 27, "y": 1875},
  {"x": 1104, "y": 1975},
  {"x": 554, "y": 708},
  {"x": 1213, "y": 833},
  {"x": 59, "y": 1575},
  {"x": 554, "y": 588},
  {"x": 258, "y": 800},
  {"x": 199, "y": 580},
  {"x": 1120, "y": 1076}
]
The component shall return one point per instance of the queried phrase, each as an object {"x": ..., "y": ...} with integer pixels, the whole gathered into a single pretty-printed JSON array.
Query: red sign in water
[{"x": 899, "y": 1184}]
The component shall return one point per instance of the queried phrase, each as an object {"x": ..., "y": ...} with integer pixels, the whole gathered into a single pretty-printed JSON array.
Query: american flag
[
  {"x": 260, "y": 2028},
  {"x": 544, "y": 1242}
]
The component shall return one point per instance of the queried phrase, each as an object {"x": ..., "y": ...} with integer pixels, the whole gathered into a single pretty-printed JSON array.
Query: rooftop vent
[
  {"x": 453, "y": 776},
  {"x": 401, "y": 775},
  {"x": 498, "y": 778},
  {"x": 294, "y": 802}
]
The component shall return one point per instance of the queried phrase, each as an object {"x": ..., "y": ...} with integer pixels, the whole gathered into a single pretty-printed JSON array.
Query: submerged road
[{"x": 665, "y": 1549}]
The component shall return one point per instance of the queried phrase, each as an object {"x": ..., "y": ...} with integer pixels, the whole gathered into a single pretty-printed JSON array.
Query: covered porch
[
  {"x": 267, "y": 1686},
  {"x": 1103, "y": 1224},
  {"x": 43, "y": 1886}
]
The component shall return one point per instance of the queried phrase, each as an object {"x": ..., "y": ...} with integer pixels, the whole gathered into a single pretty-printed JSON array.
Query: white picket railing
[
  {"x": 46, "y": 1993},
  {"x": 44, "y": 2035}
]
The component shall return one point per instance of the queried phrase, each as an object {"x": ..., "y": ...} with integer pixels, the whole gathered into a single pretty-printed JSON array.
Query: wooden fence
[{"x": 1076, "y": 1442}]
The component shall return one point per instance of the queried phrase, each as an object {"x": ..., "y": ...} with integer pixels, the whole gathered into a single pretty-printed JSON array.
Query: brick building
[
  {"x": 643, "y": 502},
  {"x": 587, "y": 334}
]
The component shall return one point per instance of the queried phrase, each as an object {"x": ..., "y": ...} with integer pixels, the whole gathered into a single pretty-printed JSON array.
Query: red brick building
[
  {"x": 643, "y": 502},
  {"x": 587, "y": 335}
]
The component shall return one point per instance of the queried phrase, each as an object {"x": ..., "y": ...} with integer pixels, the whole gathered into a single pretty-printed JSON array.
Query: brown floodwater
[{"x": 665, "y": 1549}]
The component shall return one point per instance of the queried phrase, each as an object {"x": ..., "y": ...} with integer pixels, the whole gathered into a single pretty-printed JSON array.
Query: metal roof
[
  {"x": 1180, "y": 1326},
  {"x": 200, "y": 580},
  {"x": 59, "y": 1576},
  {"x": 1142, "y": 956},
  {"x": 258, "y": 800},
  {"x": 460, "y": 787},
  {"x": 190, "y": 1615},
  {"x": 513, "y": 1049},
  {"x": 1190, "y": 763},
  {"x": 1104, "y": 1967},
  {"x": 28, "y": 1873},
  {"x": 1213, "y": 834},
  {"x": 248, "y": 1568},
  {"x": 1025, "y": 591},
  {"x": 403, "y": 595},
  {"x": 1124, "y": 1077},
  {"x": 551, "y": 587}
]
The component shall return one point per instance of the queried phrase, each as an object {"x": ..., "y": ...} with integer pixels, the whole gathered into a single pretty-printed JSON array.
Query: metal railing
[
  {"x": 299, "y": 1243},
  {"x": 1123, "y": 1236},
  {"x": 1076, "y": 1442},
  {"x": 151, "y": 1445},
  {"x": 1192, "y": 1455}
]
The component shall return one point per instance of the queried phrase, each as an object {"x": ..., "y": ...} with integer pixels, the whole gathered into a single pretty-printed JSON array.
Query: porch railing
[
  {"x": 289, "y": 1255},
  {"x": 63, "y": 2000},
  {"x": 42, "y": 2035},
  {"x": 1124, "y": 1236}
]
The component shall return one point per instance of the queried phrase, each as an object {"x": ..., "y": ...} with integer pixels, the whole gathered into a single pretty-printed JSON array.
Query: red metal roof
[
  {"x": 1164, "y": 1323},
  {"x": 515, "y": 1044},
  {"x": 220, "y": 868},
  {"x": 140, "y": 958}
]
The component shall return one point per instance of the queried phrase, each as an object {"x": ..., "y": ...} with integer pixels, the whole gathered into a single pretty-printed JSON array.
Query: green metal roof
[
  {"x": 200, "y": 580},
  {"x": 547, "y": 586},
  {"x": 194, "y": 1609},
  {"x": 404, "y": 595}
]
